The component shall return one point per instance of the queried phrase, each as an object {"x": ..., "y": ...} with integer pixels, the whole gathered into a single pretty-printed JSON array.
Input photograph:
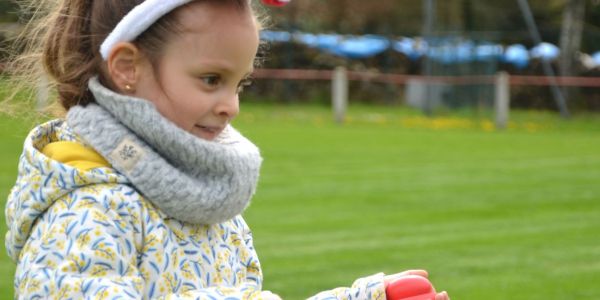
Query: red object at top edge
[
  {"x": 410, "y": 287},
  {"x": 276, "y": 2}
]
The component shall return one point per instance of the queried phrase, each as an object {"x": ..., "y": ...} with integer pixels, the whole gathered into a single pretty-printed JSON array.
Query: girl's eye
[
  {"x": 244, "y": 83},
  {"x": 211, "y": 80}
]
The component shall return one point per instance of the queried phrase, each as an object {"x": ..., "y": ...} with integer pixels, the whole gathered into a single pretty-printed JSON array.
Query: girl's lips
[
  {"x": 209, "y": 128},
  {"x": 210, "y": 132}
]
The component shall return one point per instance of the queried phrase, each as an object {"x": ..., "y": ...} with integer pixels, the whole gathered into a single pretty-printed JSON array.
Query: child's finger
[
  {"x": 421, "y": 273},
  {"x": 390, "y": 278},
  {"x": 442, "y": 296}
]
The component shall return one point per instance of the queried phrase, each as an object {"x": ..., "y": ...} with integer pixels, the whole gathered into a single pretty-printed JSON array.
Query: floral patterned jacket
[{"x": 78, "y": 230}]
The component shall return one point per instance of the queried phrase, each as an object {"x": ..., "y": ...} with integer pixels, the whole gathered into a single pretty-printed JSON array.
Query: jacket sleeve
[
  {"x": 82, "y": 248},
  {"x": 367, "y": 288},
  {"x": 78, "y": 249}
]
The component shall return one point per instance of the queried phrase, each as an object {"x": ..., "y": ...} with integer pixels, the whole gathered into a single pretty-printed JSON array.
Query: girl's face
[{"x": 197, "y": 80}]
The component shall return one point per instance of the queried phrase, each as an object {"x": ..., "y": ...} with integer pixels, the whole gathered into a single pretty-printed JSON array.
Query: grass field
[{"x": 492, "y": 215}]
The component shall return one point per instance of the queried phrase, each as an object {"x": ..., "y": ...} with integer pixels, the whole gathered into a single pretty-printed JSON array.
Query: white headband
[{"x": 137, "y": 21}]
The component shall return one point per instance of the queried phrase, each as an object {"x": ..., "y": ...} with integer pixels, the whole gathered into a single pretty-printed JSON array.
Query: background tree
[
  {"x": 405, "y": 17},
  {"x": 570, "y": 37}
]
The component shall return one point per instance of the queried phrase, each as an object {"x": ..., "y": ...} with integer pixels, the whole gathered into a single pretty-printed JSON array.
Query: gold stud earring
[{"x": 128, "y": 87}]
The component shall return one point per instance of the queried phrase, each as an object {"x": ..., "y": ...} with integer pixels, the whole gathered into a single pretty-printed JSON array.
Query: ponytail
[{"x": 69, "y": 56}]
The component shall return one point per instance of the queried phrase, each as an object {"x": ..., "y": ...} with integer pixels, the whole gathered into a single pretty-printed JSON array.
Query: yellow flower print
[
  {"x": 100, "y": 217},
  {"x": 187, "y": 271}
]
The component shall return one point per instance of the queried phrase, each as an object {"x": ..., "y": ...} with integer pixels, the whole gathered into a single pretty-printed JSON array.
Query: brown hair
[{"x": 67, "y": 41}]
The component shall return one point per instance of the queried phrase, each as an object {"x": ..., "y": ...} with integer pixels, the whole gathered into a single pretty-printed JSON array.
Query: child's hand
[{"x": 390, "y": 278}]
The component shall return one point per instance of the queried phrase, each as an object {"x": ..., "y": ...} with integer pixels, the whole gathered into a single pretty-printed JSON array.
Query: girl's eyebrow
[
  {"x": 219, "y": 69},
  {"x": 224, "y": 67}
]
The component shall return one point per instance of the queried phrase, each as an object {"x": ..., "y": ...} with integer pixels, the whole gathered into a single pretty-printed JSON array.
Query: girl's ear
[{"x": 124, "y": 66}]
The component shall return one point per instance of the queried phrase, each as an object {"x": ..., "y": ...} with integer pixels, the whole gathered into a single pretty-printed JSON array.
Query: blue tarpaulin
[
  {"x": 321, "y": 41},
  {"x": 276, "y": 36},
  {"x": 516, "y": 55},
  {"x": 361, "y": 47},
  {"x": 545, "y": 51},
  {"x": 412, "y": 48},
  {"x": 488, "y": 52},
  {"x": 445, "y": 50},
  {"x": 450, "y": 51},
  {"x": 596, "y": 58}
]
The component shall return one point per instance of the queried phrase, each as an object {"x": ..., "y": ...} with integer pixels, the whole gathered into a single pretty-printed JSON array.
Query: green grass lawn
[
  {"x": 492, "y": 215},
  {"x": 12, "y": 134}
]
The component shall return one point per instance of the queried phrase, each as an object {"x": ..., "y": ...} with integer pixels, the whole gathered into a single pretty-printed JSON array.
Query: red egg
[
  {"x": 276, "y": 2},
  {"x": 410, "y": 287}
]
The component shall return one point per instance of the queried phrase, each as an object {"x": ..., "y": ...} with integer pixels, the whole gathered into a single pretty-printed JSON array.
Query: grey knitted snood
[{"x": 188, "y": 178}]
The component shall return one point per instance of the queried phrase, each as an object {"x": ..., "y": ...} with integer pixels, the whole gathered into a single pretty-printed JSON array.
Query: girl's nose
[{"x": 228, "y": 106}]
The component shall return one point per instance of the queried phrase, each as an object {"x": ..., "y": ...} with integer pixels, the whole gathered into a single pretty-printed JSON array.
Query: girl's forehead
[
  {"x": 209, "y": 27},
  {"x": 203, "y": 22},
  {"x": 212, "y": 34},
  {"x": 204, "y": 15}
]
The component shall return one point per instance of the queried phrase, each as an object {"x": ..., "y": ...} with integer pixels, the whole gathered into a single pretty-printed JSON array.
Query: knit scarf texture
[{"x": 188, "y": 178}]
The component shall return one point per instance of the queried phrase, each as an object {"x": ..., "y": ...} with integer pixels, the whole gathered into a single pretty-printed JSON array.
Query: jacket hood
[{"x": 54, "y": 162}]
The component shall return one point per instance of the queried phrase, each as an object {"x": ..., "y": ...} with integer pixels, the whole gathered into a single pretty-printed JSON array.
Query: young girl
[{"x": 137, "y": 192}]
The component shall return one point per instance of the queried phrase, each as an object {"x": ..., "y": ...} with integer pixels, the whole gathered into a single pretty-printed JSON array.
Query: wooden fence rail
[
  {"x": 402, "y": 79},
  {"x": 502, "y": 82}
]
